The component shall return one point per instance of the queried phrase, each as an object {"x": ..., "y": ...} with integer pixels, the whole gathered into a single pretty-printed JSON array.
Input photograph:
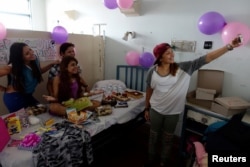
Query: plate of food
[
  {"x": 77, "y": 117},
  {"x": 104, "y": 110},
  {"x": 134, "y": 94},
  {"x": 120, "y": 96}
]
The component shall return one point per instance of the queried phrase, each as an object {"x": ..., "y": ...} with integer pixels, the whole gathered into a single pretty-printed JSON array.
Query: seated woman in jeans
[{"x": 24, "y": 74}]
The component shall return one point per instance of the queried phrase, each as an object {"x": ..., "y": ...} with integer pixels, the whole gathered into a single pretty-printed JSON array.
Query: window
[{"x": 15, "y": 14}]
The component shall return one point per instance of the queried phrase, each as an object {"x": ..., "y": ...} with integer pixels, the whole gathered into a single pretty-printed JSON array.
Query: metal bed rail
[{"x": 133, "y": 76}]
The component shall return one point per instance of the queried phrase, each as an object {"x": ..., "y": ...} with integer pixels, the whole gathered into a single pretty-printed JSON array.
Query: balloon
[
  {"x": 59, "y": 34},
  {"x": 110, "y": 4},
  {"x": 2, "y": 31},
  {"x": 232, "y": 30},
  {"x": 132, "y": 58},
  {"x": 125, "y": 4},
  {"x": 146, "y": 59},
  {"x": 211, "y": 23}
]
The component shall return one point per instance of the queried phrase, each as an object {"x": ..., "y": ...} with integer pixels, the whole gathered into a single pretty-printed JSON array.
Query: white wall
[
  {"x": 161, "y": 21},
  {"x": 38, "y": 11}
]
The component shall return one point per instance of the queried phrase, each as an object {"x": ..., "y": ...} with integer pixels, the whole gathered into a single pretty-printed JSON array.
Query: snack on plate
[
  {"x": 76, "y": 116},
  {"x": 120, "y": 96},
  {"x": 109, "y": 100},
  {"x": 104, "y": 110},
  {"x": 134, "y": 94},
  {"x": 36, "y": 110},
  {"x": 79, "y": 104}
]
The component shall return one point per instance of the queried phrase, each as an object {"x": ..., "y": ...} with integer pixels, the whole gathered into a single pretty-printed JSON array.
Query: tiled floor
[{"x": 130, "y": 151}]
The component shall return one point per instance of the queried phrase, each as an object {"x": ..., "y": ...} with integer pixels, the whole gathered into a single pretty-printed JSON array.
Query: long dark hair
[
  {"x": 64, "y": 91},
  {"x": 17, "y": 62}
]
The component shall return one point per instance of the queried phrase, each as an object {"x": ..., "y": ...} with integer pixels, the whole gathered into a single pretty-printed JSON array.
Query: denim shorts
[{"x": 15, "y": 101}]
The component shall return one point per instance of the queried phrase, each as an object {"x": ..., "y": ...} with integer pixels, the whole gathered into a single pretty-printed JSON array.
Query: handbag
[{"x": 4, "y": 137}]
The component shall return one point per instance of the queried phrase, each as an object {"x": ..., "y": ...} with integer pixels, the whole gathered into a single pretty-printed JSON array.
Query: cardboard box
[
  {"x": 225, "y": 111},
  {"x": 203, "y": 103},
  {"x": 233, "y": 102},
  {"x": 210, "y": 79},
  {"x": 205, "y": 94},
  {"x": 207, "y": 79}
]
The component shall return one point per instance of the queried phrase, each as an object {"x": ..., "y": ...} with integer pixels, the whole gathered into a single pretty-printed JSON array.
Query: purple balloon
[
  {"x": 59, "y": 34},
  {"x": 211, "y": 23},
  {"x": 146, "y": 59},
  {"x": 110, "y": 4}
]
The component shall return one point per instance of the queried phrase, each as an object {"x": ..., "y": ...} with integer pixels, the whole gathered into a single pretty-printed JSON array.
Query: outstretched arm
[
  {"x": 47, "y": 67},
  {"x": 219, "y": 52}
]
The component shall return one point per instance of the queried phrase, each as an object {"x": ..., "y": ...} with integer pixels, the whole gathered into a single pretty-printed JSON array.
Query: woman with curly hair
[
  {"x": 66, "y": 49},
  {"x": 24, "y": 74},
  {"x": 68, "y": 84}
]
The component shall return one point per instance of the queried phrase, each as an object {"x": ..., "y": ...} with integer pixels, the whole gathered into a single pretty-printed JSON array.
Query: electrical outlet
[{"x": 208, "y": 45}]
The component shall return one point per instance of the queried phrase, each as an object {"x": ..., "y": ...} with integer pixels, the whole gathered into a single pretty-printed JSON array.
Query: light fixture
[{"x": 126, "y": 35}]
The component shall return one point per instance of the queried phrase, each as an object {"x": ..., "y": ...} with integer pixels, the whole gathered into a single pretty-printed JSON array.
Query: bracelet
[
  {"x": 146, "y": 109},
  {"x": 229, "y": 47}
]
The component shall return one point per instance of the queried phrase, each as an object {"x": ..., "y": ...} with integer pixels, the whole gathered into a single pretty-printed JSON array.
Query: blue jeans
[{"x": 15, "y": 101}]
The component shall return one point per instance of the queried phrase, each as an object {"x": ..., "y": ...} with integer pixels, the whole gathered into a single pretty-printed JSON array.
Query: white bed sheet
[
  {"x": 118, "y": 116},
  {"x": 13, "y": 157}
]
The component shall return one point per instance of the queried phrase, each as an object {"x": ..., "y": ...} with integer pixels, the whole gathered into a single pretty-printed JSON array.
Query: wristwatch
[{"x": 229, "y": 47}]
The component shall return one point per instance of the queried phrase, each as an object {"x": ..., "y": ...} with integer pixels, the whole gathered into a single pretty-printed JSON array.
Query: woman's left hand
[
  {"x": 236, "y": 42},
  {"x": 49, "y": 98}
]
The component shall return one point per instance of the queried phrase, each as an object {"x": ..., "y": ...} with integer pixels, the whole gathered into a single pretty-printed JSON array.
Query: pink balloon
[
  {"x": 232, "y": 30},
  {"x": 2, "y": 31},
  {"x": 132, "y": 58},
  {"x": 125, "y": 4}
]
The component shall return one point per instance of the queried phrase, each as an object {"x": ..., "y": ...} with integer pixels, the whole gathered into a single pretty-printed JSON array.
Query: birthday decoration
[
  {"x": 59, "y": 34},
  {"x": 211, "y": 23}
]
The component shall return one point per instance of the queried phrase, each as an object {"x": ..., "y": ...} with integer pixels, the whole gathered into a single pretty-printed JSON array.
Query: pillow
[{"x": 105, "y": 83}]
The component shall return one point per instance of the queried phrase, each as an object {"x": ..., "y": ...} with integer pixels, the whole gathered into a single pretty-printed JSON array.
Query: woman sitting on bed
[
  {"x": 67, "y": 85},
  {"x": 24, "y": 73}
]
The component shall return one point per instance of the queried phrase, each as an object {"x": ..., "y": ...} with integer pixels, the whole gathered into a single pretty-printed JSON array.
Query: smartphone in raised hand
[{"x": 240, "y": 39}]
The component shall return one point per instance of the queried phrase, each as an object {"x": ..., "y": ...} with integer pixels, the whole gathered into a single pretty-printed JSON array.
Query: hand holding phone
[{"x": 240, "y": 39}]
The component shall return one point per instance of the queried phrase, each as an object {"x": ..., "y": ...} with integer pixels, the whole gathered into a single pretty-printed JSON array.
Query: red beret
[{"x": 160, "y": 49}]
